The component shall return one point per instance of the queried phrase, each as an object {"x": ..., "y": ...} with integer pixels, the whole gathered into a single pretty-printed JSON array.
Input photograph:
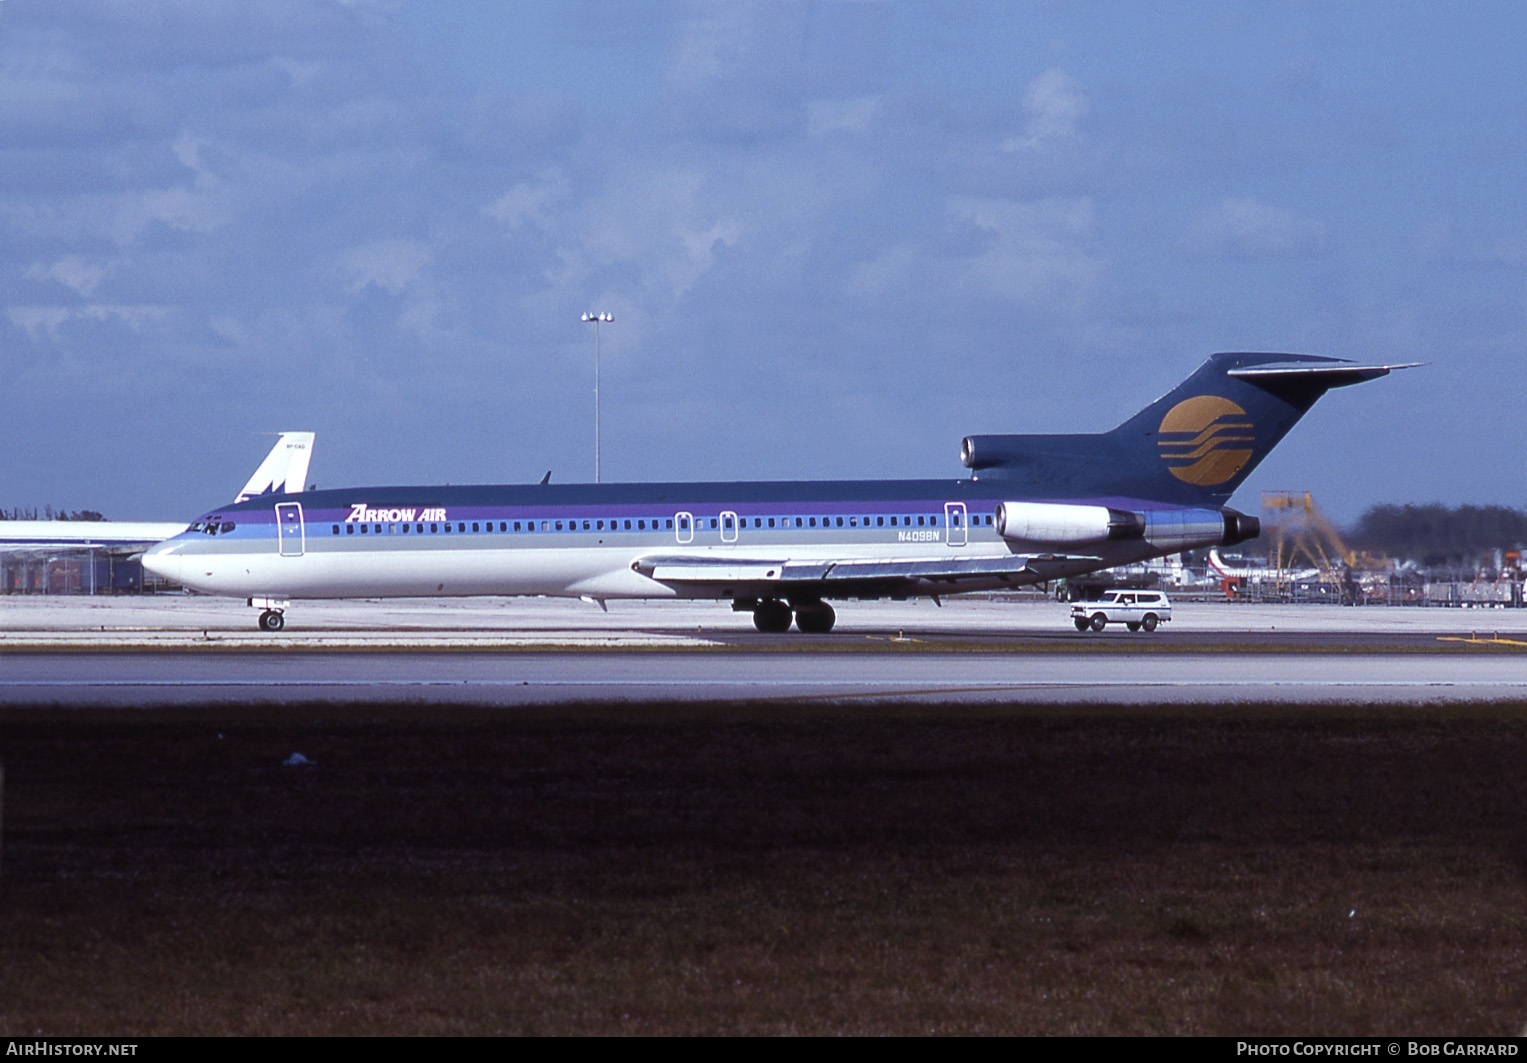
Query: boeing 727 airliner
[{"x": 1036, "y": 508}]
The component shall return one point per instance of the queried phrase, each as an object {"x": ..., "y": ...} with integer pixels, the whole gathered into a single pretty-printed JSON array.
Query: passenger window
[
  {"x": 349, "y": 529},
  {"x": 641, "y": 525},
  {"x": 365, "y": 528},
  {"x": 670, "y": 524},
  {"x": 628, "y": 525},
  {"x": 405, "y": 529}
]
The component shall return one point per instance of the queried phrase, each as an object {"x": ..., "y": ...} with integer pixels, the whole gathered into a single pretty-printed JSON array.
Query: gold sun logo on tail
[{"x": 1206, "y": 440}]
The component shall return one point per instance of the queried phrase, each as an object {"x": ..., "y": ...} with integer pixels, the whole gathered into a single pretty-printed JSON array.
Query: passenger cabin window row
[{"x": 631, "y": 524}]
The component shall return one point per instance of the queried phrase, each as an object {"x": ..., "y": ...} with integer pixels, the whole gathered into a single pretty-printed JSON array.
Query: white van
[{"x": 1133, "y": 609}]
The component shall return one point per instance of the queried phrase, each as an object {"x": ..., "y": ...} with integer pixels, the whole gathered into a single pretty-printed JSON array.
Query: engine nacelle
[
  {"x": 1188, "y": 529},
  {"x": 972, "y": 453},
  {"x": 1063, "y": 522},
  {"x": 1066, "y": 523}
]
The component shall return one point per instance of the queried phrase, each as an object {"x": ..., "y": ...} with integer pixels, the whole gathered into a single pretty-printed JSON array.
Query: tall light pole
[{"x": 596, "y": 320}]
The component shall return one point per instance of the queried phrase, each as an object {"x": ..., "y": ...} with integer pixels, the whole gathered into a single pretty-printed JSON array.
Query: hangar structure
[{"x": 78, "y": 556}]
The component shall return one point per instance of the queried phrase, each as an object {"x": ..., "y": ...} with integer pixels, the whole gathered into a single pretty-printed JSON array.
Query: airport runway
[
  {"x": 184, "y": 651},
  {"x": 531, "y": 678}
]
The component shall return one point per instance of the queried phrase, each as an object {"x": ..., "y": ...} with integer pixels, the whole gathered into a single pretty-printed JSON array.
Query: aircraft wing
[{"x": 781, "y": 576}]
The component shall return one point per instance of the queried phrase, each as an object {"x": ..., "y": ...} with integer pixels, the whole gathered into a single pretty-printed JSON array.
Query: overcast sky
[{"x": 835, "y": 236}]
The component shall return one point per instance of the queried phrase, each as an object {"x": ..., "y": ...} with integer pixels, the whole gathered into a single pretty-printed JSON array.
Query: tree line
[
  {"x": 48, "y": 513},
  {"x": 1436, "y": 535}
]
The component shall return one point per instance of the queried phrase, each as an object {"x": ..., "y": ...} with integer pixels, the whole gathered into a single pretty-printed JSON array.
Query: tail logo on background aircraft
[{"x": 1206, "y": 440}]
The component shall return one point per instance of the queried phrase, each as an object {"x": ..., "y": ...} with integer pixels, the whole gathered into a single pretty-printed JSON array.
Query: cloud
[
  {"x": 841, "y": 116},
  {"x": 889, "y": 271},
  {"x": 1044, "y": 253},
  {"x": 530, "y": 201},
  {"x": 77, "y": 272},
  {"x": 48, "y": 322},
  {"x": 1054, "y": 107},
  {"x": 1247, "y": 228},
  {"x": 391, "y": 265},
  {"x": 39, "y": 321},
  {"x": 663, "y": 226}
]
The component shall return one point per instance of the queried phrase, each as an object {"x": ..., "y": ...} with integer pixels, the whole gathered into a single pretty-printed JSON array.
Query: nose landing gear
[{"x": 273, "y": 613}]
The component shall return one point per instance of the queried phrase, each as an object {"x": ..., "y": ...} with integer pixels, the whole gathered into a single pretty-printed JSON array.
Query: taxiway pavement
[{"x": 177, "y": 650}]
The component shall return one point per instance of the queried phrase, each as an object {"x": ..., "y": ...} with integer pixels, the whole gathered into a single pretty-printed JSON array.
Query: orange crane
[{"x": 1299, "y": 535}]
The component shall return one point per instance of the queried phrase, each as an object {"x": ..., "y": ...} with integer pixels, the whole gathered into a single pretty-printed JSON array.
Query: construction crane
[{"x": 1299, "y": 535}]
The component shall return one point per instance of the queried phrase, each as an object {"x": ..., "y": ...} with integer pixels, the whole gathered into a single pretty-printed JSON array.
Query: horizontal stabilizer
[{"x": 1328, "y": 375}]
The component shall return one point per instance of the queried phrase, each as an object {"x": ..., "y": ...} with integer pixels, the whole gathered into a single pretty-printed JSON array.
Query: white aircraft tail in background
[
  {"x": 286, "y": 464},
  {"x": 284, "y": 470}
]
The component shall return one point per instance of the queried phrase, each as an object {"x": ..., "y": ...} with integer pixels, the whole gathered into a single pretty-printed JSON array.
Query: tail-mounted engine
[{"x": 1071, "y": 524}]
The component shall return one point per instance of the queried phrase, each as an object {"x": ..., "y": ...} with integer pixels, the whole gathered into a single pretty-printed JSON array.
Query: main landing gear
[{"x": 773, "y": 616}]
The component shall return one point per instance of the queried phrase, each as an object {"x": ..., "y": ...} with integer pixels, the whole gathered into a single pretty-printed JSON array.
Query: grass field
[{"x": 869, "y": 869}]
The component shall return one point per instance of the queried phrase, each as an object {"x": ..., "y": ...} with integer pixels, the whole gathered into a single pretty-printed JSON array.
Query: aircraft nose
[{"x": 163, "y": 561}]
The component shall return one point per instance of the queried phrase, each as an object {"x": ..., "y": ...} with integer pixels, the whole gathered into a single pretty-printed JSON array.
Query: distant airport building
[
  {"x": 79, "y": 557},
  {"x": 92, "y": 556}
]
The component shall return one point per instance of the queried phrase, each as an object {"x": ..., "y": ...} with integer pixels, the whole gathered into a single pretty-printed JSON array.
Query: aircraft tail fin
[
  {"x": 1194, "y": 445},
  {"x": 285, "y": 468}
]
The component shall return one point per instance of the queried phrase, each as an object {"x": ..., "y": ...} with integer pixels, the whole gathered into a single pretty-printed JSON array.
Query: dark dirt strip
[{"x": 736, "y": 868}]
